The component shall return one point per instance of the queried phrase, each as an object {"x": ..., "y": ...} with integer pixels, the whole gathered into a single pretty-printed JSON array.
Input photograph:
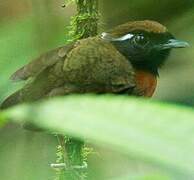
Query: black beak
[{"x": 173, "y": 43}]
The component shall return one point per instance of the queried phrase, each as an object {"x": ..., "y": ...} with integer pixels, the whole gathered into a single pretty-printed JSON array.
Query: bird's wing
[
  {"x": 91, "y": 66},
  {"x": 40, "y": 64},
  {"x": 95, "y": 66}
]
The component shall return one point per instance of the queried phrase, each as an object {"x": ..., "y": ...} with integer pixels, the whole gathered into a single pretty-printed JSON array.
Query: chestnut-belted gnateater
[{"x": 124, "y": 60}]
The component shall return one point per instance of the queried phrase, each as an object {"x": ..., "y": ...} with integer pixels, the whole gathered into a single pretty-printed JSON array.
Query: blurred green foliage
[
  {"x": 31, "y": 27},
  {"x": 159, "y": 142}
]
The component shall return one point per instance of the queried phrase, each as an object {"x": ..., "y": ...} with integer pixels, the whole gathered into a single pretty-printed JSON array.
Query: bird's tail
[
  {"x": 12, "y": 100},
  {"x": 15, "y": 99}
]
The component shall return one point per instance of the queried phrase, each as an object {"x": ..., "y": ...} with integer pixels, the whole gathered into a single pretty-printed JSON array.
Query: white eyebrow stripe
[
  {"x": 108, "y": 37},
  {"x": 123, "y": 38}
]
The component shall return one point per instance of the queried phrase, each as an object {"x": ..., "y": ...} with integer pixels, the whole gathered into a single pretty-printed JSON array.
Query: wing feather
[{"x": 40, "y": 64}]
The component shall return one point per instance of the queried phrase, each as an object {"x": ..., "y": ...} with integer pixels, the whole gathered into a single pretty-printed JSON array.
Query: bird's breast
[{"x": 145, "y": 83}]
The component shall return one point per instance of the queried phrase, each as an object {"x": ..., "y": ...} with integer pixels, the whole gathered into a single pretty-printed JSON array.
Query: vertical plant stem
[
  {"x": 74, "y": 153},
  {"x": 83, "y": 25}
]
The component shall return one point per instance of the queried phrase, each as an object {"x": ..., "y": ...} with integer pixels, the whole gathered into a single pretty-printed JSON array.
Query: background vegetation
[{"x": 30, "y": 27}]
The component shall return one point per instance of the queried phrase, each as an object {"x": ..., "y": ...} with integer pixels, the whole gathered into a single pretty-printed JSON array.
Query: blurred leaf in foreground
[{"x": 159, "y": 134}]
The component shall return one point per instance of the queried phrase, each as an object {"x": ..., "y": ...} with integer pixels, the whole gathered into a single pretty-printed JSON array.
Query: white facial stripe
[
  {"x": 108, "y": 37},
  {"x": 125, "y": 37}
]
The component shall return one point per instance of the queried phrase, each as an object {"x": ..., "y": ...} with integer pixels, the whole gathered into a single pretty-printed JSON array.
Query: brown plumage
[
  {"x": 147, "y": 25},
  {"x": 123, "y": 61}
]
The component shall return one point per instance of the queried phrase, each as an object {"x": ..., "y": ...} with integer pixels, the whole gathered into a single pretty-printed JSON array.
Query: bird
[{"x": 124, "y": 60}]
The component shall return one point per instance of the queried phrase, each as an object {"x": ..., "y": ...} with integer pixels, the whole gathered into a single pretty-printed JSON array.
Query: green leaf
[{"x": 160, "y": 134}]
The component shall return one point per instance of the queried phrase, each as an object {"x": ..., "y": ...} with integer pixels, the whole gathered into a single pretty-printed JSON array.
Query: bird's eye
[{"x": 140, "y": 40}]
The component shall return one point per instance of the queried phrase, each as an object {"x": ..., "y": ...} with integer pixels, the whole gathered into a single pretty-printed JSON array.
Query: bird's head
[{"x": 146, "y": 44}]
